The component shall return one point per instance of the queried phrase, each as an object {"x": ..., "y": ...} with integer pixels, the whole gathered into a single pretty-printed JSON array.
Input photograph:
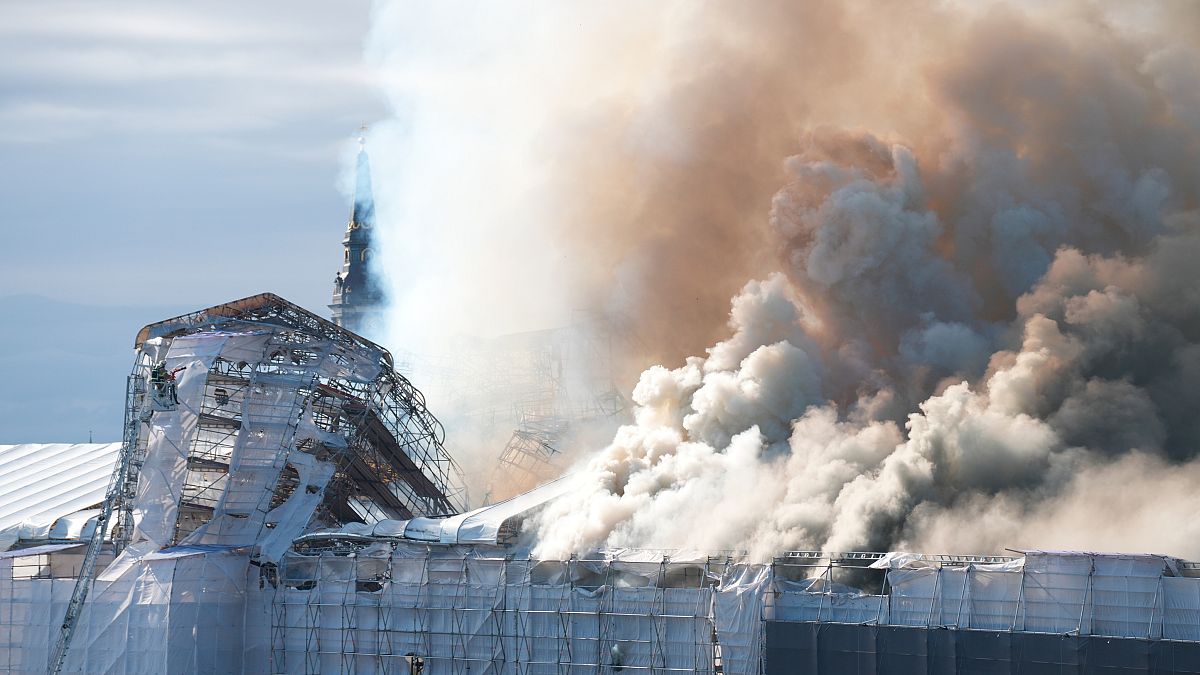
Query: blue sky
[{"x": 156, "y": 159}]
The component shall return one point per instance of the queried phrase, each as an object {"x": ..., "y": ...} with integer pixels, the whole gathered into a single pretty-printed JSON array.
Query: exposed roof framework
[
  {"x": 264, "y": 308},
  {"x": 333, "y": 396},
  {"x": 254, "y": 421}
]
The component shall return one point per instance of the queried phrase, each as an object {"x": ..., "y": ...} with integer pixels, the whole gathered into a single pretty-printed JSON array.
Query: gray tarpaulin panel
[
  {"x": 982, "y": 651},
  {"x": 903, "y": 648},
  {"x": 792, "y": 643},
  {"x": 1115, "y": 656},
  {"x": 839, "y": 649},
  {"x": 1175, "y": 657},
  {"x": 850, "y": 649},
  {"x": 1042, "y": 653},
  {"x": 942, "y": 650}
]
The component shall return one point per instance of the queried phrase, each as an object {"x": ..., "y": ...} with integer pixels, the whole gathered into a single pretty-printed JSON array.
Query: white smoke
[
  {"x": 713, "y": 462},
  {"x": 971, "y": 255},
  {"x": 880, "y": 309}
]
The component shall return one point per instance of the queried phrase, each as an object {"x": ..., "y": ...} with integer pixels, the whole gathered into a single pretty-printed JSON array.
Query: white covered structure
[
  {"x": 284, "y": 505},
  {"x": 247, "y": 424},
  {"x": 375, "y": 607},
  {"x": 51, "y": 491},
  {"x": 495, "y": 524}
]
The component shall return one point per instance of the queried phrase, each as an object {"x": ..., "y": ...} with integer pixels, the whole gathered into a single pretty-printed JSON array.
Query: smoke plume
[{"x": 960, "y": 241}]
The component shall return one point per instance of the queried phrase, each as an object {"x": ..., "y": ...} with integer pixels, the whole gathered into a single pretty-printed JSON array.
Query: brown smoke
[
  {"x": 959, "y": 238},
  {"x": 995, "y": 262},
  {"x": 666, "y": 191},
  {"x": 1032, "y": 130}
]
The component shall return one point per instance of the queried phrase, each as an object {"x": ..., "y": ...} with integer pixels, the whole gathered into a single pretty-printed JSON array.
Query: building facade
[{"x": 282, "y": 503}]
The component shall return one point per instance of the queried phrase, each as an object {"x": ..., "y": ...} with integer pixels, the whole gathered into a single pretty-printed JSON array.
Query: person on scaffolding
[{"x": 164, "y": 382}]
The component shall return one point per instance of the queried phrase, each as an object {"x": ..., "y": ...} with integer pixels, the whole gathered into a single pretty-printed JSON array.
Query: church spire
[
  {"x": 364, "y": 199},
  {"x": 357, "y": 294}
]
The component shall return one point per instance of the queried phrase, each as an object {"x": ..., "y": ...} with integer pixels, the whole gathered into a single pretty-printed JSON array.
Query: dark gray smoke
[
  {"x": 977, "y": 329},
  {"x": 964, "y": 236}
]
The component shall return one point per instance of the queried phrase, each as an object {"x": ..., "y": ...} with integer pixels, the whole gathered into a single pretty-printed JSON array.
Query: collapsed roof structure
[
  {"x": 290, "y": 422},
  {"x": 252, "y": 422}
]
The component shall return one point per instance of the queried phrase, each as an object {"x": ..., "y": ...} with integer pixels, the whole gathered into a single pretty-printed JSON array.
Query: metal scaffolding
[
  {"x": 363, "y": 604},
  {"x": 381, "y": 610},
  {"x": 572, "y": 380},
  {"x": 282, "y": 423},
  {"x": 392, "y": 465}
]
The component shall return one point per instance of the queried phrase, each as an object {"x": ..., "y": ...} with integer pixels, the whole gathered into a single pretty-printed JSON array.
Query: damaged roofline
[{"x": 260, "y": 307}]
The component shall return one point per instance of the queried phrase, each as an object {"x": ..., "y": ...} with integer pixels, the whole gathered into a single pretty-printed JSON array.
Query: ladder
[{"x": 116, "y": 498}]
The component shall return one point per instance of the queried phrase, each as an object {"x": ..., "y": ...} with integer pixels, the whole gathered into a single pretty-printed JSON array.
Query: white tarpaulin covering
[
  {"x": 206, "y": 609},
  {"x": 39, "y": 550},
  {"x": 272, "y": 421},
  {"x": 376, "y": 611},
  {"x": 1181, "y": 609},
  {"x": 1045, "y": 592},
  {"x": 42, "y": 482},
  {"x": 808, "y": 601},
  {"x": 178, "y": 613},
  {"x": 738, "y": 614},
  {"x": 482, "y": 526},
  {"x": 160, "y": 483}
]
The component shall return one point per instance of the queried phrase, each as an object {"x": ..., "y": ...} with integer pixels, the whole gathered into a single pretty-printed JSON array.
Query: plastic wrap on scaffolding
[
  {"x": 738, "y": 612},
  {"x": 380, "y": 610},
  {"x": 171, "y": 434},
  {"x": 179, "y": 610}
]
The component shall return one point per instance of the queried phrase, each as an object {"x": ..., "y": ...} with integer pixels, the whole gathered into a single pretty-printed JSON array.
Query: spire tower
[{"x": 357, "y": 294}]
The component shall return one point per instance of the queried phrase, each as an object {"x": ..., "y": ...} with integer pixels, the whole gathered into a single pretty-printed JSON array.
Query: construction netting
[
  {"x": 174, "y": 611},
  {"x": 1080, "y": 593},
  {"x": 392, "y": 607},
  {"x": 462, "y": 610}
]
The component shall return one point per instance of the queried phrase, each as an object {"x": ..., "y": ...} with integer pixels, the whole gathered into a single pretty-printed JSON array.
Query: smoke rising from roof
[{"x": 964, "y": 239}]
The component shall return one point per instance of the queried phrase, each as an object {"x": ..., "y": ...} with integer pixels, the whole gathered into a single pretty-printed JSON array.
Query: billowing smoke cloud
[{"x": 964, "y": 238}]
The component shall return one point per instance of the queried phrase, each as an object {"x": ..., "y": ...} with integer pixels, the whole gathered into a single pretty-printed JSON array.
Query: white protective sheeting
[
  {"x": 44, "y": 549},
  {"x": 1181, "y": 609},
  {"x": 994, "y": 595},
  {"x": 160, "y": 483},
  {"x": 31, "y": 611},
  {"x": 809, "y": 601},
  {"x": 206, "y": 609},
  {"x": 929, "y": 596},
  {"x": 738, "y": 614},
  {"x": 1126, "y": 595},
  {"x": 1093, "y": 594},
  {"x": 424, "y": 529},
  {"x": 42, "y": 482},
  {"x": 272, "y": 420},
  {"x": 1054, "y": 590},
  {"x": 1049, "y": 592},
  {"x": 275, "y": 421},
  {"x": 389, "y": 528},
  {"x": 76, "y": 526},
  {"x": 1117, "y": 595},
  {"x": 167, "y": 614},
  {"x": 482, "y": 526},
  {"x": 178, "y": 611},
  {"x": 461, "y": 612}
]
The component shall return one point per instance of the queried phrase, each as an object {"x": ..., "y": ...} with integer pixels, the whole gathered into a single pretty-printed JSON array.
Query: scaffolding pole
[{"x": 114, "y": 498}]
